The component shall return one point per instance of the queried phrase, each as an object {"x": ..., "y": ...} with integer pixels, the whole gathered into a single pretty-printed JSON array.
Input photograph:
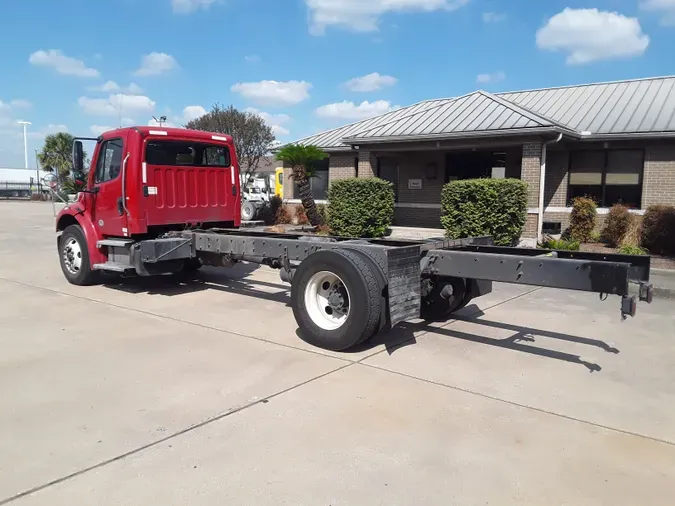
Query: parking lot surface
[{"x": 156, "y": 392}]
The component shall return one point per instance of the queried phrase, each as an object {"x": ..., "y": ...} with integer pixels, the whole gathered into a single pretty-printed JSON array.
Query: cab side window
[{"x": 109, "y": 162}]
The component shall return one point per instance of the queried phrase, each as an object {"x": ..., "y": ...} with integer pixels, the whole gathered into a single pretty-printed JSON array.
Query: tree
[
  {"x": 56, "y": 154},
  {"x": 252, "y": 136},
  {"x": 302, "y": 160}
]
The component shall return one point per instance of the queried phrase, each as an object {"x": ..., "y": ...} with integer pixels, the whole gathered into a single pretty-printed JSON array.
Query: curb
[{"x": 663, "y": 281}]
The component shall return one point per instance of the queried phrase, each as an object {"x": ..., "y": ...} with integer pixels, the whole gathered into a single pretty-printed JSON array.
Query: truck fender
[{"x": 74, "y": 215}]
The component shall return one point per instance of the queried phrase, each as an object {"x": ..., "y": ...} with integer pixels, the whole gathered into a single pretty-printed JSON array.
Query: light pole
[{"x": 25, "y": 141}]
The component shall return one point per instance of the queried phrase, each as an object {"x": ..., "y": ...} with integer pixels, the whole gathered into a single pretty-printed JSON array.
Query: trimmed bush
[
  {"x": 360, "y": 207},
  {"x": 283, "y": 217},
  {"x": 658, "y": 230},
  {"x": 562, "y": 245},
  {"x": 632, "y": 250},
  {"x": 616, "y": 225},
  {"x": 582, "y": 219},
  {"x": 322, "y": 209},
  {"x": 480, "y": 207},
  {"x": 271, "y": 210},
  {"x": 300, "y": 216}
]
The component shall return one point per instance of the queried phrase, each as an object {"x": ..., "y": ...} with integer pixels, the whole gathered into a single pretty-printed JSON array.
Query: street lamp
[
  {"x": 160, "y": 121},
  {"x": 25, "y": 141}
]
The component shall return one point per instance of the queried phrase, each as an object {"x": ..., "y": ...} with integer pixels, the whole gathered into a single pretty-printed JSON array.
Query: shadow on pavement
[{"x": 233, "y": 281}]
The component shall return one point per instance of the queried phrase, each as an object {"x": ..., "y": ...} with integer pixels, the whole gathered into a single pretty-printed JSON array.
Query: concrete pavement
[{"x": 150, "y": 393}]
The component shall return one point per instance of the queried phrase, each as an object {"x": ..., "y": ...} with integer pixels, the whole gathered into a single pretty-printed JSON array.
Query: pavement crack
[
  {"x": 523, "y": 406},
  {"x": 170, "y": 437}
]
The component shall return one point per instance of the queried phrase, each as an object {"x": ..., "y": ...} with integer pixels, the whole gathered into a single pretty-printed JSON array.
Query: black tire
[
  {"x": 436, "y": 308},
  {"x": 84, "y": 275},
  {"x": 192, "y": 265},
  {"x": 248, "y": 211},
  {"x": 365, "y": 299}
]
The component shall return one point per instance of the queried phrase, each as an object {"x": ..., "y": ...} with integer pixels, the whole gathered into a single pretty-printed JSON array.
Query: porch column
[
  {"x": 531, "y": 174},
  {"x": 288, "y": 182},
  {"x": 367, "y": 164}
]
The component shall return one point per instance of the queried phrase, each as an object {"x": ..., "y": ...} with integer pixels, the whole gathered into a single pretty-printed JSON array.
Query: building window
[
  {"x": 388, "y": 169},
  {"x": 609, "y": 177},
  {"x": 318, "y": 182}
]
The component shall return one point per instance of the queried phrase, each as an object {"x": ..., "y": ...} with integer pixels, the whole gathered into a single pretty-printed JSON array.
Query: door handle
[{"x": 120, "y": 206}]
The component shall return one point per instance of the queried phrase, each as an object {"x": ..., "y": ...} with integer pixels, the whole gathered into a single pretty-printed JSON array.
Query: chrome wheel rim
[
  {"x": 72, "y": 255},
  {"x": 327, "y": 300}
]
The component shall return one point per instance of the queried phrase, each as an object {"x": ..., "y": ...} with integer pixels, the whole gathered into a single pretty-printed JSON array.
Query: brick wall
[
  {"x": 367, "y": 164},
  {"x": 416, "y": 217},
  {"x": 413, "y": 166},
  {"x": 341, "y": 167},
  {"x": 530, "y": 173},
  {"x": 659, "y": 176},
  {"x": 288, "y": 182},
  {"x": 555, "y": 186}
]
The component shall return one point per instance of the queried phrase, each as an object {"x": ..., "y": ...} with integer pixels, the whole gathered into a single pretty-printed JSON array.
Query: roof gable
[{"x": 479, "y": 111}]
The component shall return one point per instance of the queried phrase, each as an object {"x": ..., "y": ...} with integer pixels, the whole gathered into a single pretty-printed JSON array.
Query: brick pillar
[
  {"x": 531, "y": 173},
  {"x": 341, "y": 167},
  {"x": 288, "y": 182},
  {"x": 367, "y": 164},
  {"x": 658, "y": 182}
]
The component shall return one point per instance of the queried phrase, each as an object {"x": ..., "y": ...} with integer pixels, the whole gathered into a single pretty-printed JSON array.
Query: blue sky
[{"x": 305, "y": 65}]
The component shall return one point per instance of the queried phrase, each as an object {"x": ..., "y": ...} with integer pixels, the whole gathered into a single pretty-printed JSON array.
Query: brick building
[{"x": 614, "y": 141}]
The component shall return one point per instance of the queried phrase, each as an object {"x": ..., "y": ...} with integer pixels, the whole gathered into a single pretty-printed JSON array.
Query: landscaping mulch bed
[{"x": 658, "y": 262}]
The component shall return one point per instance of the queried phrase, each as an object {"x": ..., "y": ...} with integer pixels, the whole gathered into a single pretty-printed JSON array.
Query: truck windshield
[{"x": 186, "y": 153}]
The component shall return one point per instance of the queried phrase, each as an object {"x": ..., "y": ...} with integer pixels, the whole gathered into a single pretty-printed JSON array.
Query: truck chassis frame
[{"x": 428, "y": 279}]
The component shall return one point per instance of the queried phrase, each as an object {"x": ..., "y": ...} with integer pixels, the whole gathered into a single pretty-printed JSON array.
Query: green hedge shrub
[
  {"x": 480, "y": 207},
  {"x": 616, "y": 225},
  {"x": 562, "y": 245},
  {"x": 658, "y": 230},
  {"x": 360, "y": 207},
  {"x": 582, "y": 219}
]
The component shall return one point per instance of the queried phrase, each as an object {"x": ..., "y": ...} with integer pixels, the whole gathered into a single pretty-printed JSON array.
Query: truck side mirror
[{"x": 78, "y": 158}]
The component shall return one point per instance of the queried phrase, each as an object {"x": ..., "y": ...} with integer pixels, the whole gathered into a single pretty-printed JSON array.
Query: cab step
[
  {"x": 114, "y": 243},
  {"x": 113, "y": 267}
]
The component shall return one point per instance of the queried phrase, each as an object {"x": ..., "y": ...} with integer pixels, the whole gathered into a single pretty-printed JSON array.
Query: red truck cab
[{"x": 146, "y": 181}]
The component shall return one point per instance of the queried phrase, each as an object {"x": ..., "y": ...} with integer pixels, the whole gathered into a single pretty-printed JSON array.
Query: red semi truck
[{"x": 163, "y": 200}]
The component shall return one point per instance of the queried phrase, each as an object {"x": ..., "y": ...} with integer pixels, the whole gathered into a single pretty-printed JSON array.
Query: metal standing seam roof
[
  {"x": 642, "y": 106},
  {"x": 477, "y": 112}
]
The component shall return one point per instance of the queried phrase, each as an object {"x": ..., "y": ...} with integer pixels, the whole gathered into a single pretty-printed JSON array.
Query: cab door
[{"x": 109, "y": 211}]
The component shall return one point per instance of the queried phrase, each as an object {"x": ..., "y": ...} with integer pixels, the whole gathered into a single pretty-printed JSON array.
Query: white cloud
[
  {"x": 253, "y": 58},
  {"x": 188, "y": 6},
  {"x": 665, "y": 7},
  {"x": 53, "y": 129},
  {"x": 493, "y": 17},
  {"x": 112, "y": 87},
  {"x": 114, "y": 104},
  {"x": 193, "y": 112},
  {"x": 274, "y": 121},
  {"x": 99, "y": 129},
  {"x": 589, "y": 35},
  {"x": 154, "y": 64},
  {"x": 363, "y": 15},
  {"x": 350, "y": 111},
  {"x": 20, "y": 104},
  {"x": 370, "y": 82},
  {"x": 63, "y": 64},
  {"x": 274, "y": 92},
  {"x": 490, "y": 78}
]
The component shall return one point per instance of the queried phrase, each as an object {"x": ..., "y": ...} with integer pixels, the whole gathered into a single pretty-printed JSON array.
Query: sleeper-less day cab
[{"x": 162, "y": 201}]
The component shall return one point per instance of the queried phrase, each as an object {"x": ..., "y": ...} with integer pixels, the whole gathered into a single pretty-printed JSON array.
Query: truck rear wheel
[
  {"x": 336, "y": 299},
  {"x": 74, "y": 257}
]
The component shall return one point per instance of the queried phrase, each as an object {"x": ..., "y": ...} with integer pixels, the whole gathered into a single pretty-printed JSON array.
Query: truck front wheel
[
  {"x": 74, "y": 257},
  {"x": 336, "y": 299}
]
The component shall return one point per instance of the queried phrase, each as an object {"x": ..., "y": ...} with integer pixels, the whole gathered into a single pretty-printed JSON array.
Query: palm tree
[
  {"x": 302, "y": 160},
  {"x": 56, "y": 154}
]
